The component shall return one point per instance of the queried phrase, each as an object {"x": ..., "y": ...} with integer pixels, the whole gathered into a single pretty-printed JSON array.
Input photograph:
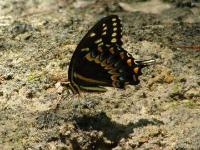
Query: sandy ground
[{"x": 37, "y": 39}]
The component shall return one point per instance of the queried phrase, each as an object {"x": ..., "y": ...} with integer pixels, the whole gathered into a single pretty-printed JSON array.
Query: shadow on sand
[{"x": 111, "y": 130}]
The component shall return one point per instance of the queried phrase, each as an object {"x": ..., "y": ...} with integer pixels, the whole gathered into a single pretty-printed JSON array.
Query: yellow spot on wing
[
  {"x": 92, "y": 34},
  {"x": 98, "y": 41},
  {"x": 85, "y": 49},
  {"x": 114, "y": 24},
  {"x": 114, "y": 40},
  {"x": 114, "y": 34},
  {"x": 115, "y": 29},
  {"x": 114, "y": 19},
  {"x": 105, "y": 28},
  {"x": 104, "y": 33},
  {"x": 100, "y": 44}
]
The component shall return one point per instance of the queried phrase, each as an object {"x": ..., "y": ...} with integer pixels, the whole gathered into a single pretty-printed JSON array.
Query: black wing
[
  {"x": 99, "y": 60},
  {"x": 108, "y": 31}
]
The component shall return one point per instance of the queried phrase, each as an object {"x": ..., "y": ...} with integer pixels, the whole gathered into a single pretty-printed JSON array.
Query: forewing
[{"x": 106, "y": 32}]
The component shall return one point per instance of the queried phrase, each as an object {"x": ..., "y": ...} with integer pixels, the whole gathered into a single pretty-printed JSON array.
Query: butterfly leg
[
  {"x": 69, "y": 85},
  {"x": 62, "y": 97}
]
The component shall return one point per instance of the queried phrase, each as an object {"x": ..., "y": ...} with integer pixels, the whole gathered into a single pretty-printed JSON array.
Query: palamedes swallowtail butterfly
[{"x": 99, "y": 59}]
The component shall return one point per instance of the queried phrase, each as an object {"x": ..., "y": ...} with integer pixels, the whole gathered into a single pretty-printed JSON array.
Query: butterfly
[{"x": 100, "y": 61}]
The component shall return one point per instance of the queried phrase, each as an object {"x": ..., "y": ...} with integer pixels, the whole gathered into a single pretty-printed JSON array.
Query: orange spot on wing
[
  {"x": 129, "y": 62},
  {"x": 88, "y": 57},
  {"x": 135, "y": 70},
  {"x": 96, "y": 60}
]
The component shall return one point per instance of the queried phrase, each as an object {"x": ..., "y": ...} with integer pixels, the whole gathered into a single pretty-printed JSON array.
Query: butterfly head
[{"x": 137, "y": 68}]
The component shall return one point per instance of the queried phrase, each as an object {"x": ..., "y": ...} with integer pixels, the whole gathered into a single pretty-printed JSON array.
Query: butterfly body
[{"x": 99, "y": 60}]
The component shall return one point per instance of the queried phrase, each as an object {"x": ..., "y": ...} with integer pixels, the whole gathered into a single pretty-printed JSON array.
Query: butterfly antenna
[{"x": 145, "y": 63}]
